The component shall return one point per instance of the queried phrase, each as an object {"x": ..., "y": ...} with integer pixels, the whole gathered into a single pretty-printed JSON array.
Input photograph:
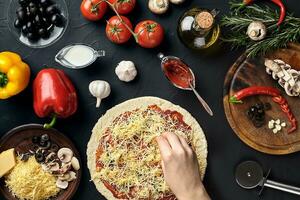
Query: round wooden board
[
  {"x": 247, "y": 72},
  {"x": 20, "y": 139}
]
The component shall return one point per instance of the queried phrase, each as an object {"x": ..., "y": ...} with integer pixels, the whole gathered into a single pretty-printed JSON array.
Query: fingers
[
  {"x": 164, "y": 147},
  {"x": 184, "y": 143},
  {"x": 173, "y": 140}
]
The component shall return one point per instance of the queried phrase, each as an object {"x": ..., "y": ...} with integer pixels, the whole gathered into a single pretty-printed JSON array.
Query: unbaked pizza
[{"x": 123, "y": 156}]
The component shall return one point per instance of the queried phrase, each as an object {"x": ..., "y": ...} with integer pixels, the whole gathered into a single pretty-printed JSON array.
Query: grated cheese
[
  {"x": 130, "y": 158},
  {"x": 28, "y": 181}
]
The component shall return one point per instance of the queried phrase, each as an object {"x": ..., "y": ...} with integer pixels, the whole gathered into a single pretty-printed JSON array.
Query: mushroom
[
  {"x": 126, "y": 71},
  {"x": 256, "y": 31},
  {"x": 177, "y": 1},
  {"x": 72, "y": 176},
  {"x": 100, "y": 90},
  {"x": 65, "y": 155},
  {"x": 62, "y": 184},
  {"x": 65, "y": 167},
  {"x": 50, "y": 157},
  {"x": 75, "y": 163},
  {"x": 53, "y": 167},
  {"x": 65, "y": 177},
  {"x": 158, "y": 6}
]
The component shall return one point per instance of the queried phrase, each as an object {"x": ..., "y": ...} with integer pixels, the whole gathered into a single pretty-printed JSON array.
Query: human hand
[{"x": 180, "y": 168}]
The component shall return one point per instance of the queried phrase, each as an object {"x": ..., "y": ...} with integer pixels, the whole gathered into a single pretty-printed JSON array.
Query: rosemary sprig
[{"x": 277, "y": 37}]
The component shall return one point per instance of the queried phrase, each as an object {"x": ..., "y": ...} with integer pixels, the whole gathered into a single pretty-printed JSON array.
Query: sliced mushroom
[
  {"x": 75, "y": 163},
  {"x": 72, "y": 176},
  {"x": 158, "y": 6},
  {"x": 177, "y": 1},
  {"x": 50, "y": 157},
  {"x": 65, "y": 155},
  {"x": 65, "y": 177},
  {"x": 65, "y": 167},
  {"x": 62, "y": 184},
  {"x": 53, "y": 167}
]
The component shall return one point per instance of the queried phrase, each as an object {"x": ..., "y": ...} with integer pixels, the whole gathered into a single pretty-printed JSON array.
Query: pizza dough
[{"x": 199, "y": 140}]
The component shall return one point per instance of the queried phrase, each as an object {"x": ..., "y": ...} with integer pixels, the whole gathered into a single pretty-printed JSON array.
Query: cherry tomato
[
  {"x": 123, "y": 6},
  {"x": 116, "y": 31},
  {"x": 93, "y": 10},
  {"x": 149, "y": 33}
]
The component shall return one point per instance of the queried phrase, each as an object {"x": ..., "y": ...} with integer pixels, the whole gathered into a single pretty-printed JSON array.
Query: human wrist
[{"x": 199, "y": 193}]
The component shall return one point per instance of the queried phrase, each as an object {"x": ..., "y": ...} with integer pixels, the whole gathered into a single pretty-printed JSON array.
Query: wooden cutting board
[{"x": 247, "y": 72}]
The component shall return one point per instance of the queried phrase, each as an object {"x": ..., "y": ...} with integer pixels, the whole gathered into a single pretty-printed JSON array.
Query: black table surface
[{"x": 224, "y": 147}]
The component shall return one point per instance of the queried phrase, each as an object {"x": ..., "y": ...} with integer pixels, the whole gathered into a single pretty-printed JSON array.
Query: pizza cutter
[{"x": 249, "y": 175}]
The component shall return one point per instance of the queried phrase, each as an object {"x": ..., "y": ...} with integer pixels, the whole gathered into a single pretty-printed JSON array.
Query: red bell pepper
[{"x": 53, "y": 95}]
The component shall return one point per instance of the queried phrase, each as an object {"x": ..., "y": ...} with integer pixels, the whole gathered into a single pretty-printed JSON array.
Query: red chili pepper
[
  {"x": 54, "y": 95},
  {"x": 282, "y": 11},
  {"x": 253, "y": 90},
  {"x": 286, "y": 109}
]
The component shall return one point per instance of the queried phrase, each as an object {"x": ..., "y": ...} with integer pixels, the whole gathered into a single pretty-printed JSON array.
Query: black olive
[
  {"x": 24, "y": 29},
  {"x": 42, "y": 10},
  {"x": 50, "y": 28},
  {"x": 47, "y": 145},
  {"x": 39, "y": 157},
  {"x": 33, "y": 11},
  {"x": 267, "y": 106},
  {"x": 30, "y": 26},
  {"x": 259, "y": 106},
  {"x": 44, "y": 33},
  {"x": 32, "y": 36},
  {"x": 45, "y": 137},
  {"x": 46, "y": 3},
  {"x": 57, "y": 20},
  {"x": 21, "y": 14},
  {"x": 50, "y": 10},
  {"x": 35, "y": 139},
  {"x": 23, "y": 3},
  {"x": 253, "y": 109},
  {"x": 42, "y": 143},
  {"x": 54, "y": 147},
  {"x": 250, "y": 114},
  {"x": 32, "y": 5},
  {"x": 18, "y": 23}
]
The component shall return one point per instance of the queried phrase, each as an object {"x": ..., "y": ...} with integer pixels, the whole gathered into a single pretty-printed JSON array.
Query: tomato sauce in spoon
[{"x": 178, "y": 72}]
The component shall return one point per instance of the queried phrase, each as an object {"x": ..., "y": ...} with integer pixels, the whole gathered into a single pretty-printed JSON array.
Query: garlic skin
[
  {"x": 100, "y": 90},
  {"x": 177, "y": 1},
  {"x": 256, "y": 31},
  {"x": 126, "y": 71}
]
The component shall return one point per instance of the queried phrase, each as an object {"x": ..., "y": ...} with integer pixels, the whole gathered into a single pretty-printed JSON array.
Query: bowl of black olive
[{"x": 38, "y": 23}]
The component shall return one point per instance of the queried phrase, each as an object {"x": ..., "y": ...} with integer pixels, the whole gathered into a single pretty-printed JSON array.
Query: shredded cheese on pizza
[{"x": 129, "y": 158}]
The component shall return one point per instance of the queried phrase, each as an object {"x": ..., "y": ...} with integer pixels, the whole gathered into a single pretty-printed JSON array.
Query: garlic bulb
[
  {"x": 126, "y": 71},
  {"x": 256, "y": 31},
  {"x": 177, "y": 1},
  {"x": 158, "y": 6},
  {"x": 100, "y": 90}
]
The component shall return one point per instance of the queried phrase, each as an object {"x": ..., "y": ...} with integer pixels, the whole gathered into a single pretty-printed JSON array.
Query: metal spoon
[{"x": 192, "y": 82}]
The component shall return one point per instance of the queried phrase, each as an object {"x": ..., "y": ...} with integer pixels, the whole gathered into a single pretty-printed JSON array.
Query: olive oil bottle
[{"x": 197, "y": 28}]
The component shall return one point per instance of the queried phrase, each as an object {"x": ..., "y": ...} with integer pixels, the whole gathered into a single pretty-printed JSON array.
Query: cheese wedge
[{"x": 7, "y": 161}]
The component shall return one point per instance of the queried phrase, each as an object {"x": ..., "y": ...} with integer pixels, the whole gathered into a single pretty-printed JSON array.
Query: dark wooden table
[{"x": 225, "y": 149}]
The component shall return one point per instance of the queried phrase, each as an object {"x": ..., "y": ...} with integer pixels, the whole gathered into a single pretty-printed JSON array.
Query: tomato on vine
[
  {"x": 123, "y": 7},
  {"x": 93, "y": 10},
  {"x": 116, "y": 31},
  {"x": 149, "y": 33}
]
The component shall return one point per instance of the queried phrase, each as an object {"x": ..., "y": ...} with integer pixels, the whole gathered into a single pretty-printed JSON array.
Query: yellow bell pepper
[{"x": 14, "y": 74}]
